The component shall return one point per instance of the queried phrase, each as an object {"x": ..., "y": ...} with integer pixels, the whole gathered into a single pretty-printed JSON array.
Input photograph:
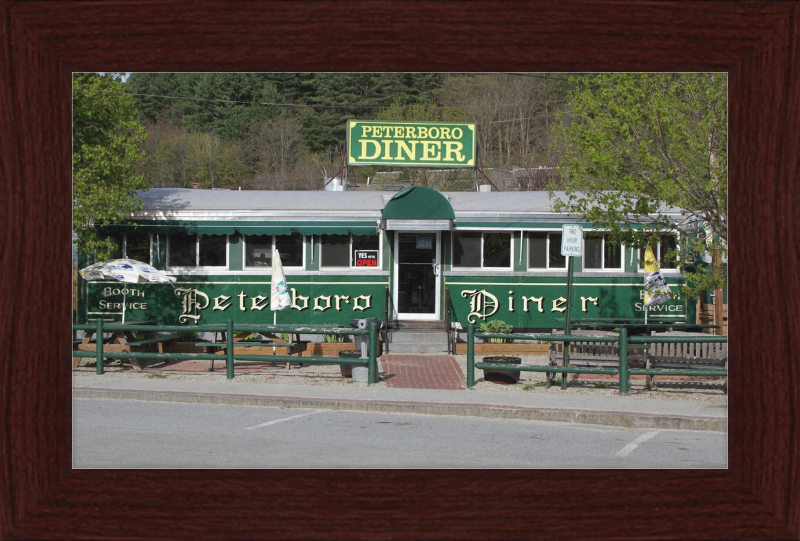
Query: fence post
[
  {"x": 229, "y": 348},
  {"x": 373, "y": 350},
  {"x": 470, "y": 356},
  {"x": 99, "y": 348},
  {"x": 624, "y": 379}
]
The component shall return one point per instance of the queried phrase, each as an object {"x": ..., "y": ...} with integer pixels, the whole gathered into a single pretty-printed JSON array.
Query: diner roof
[{"x": 504, "y": 209}]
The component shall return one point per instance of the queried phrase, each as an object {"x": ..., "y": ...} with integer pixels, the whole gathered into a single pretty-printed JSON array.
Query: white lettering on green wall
[
  {"x": 318, "y": 304},
  {"x": 194, "y": 301},
  {"x": 482, "y": 304},
  {"x": 367, "y": 302},
  {"x": 585, "y": 300}
]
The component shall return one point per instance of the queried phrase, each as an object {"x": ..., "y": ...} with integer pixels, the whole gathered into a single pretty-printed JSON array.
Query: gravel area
[{"x": 709, "y": 390}]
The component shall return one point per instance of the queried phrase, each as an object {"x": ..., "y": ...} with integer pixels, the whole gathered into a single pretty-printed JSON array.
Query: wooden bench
[
  {"x": 589, "y": 353},
  {"x": 687, "y": 355},
  {"x": 159, "y": 339},
  {"x": 585, "y": 353}
]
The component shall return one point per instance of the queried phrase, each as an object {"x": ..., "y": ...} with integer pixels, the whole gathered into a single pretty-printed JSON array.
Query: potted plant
[
  {"x": 347, "y": 369},
  {"x": 496, "y": 326},
  {"x": 505, "y": 377}
]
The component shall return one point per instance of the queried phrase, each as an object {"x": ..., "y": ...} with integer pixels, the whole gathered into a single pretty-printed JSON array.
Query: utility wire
[{"x": 237, "y": 102}]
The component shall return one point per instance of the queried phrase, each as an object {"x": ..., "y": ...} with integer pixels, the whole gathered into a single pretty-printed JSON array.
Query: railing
[
  {"x": 447, "y": 320},
  {"x": 624, "y": 371},
  {"x": 229, "y": 328},
  {"x": 389, "y": 318}
]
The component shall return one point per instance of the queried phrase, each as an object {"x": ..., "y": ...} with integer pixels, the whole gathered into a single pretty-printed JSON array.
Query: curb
[{"x": 607, "y": 418}]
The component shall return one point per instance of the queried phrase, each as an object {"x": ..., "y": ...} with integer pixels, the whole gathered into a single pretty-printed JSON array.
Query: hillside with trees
[{"x": 286, "y": 131}]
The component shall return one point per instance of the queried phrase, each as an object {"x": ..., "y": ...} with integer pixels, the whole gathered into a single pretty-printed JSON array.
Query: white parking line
[
  {"x": 628, "y": 449},
  {"x": 276, "y": 421}
]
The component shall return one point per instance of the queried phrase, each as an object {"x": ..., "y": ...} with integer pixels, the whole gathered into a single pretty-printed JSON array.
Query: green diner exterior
[{"x": 416, "y": 255}]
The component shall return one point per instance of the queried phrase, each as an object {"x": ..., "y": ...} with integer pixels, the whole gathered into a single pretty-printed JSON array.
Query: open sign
[{"x": 366, "y": 258}]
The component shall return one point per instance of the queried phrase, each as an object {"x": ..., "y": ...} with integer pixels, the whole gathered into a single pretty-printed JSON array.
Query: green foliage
[
  {"x": 496, "y": 326},
  {"x": 639, "y": 145},
  {"x": 106, "y": 136},
  {"x": 335, "y": 338},
  {"x": 287, "y": 130},
  {"x": 528, "y": 387},
  {"x": 188, "y": 336}
]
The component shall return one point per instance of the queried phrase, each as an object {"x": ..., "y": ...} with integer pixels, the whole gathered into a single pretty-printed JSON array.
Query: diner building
[{"x": 415, "y": 255}]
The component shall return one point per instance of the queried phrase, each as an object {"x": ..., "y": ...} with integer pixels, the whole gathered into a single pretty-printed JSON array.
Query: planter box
[
  {"x": 326, "y": 349},
  {"x": 504, "y": 349}
]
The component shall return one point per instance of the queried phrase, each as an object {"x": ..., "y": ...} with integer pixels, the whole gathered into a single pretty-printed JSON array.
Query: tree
[
  {"x": 106, "y": 137},
  {"x": 637, "y": 144},
  {"x": 276, "y": 147}
]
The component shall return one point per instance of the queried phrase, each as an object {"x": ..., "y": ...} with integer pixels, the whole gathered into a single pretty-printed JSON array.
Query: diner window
[
  {"x": 119, "y": 242},
  {"x": 131, "y": 246},
  {"x": 197, "y": 250},
  {"x": 137, "y": 246},
  {"x": 473, "y": 249},
  {"x": 258, "y": 250},
  {"x": 544, "y": 251},
  {"x": 664, "y": 250},
  {"x": 339, "y": 250},
  {"x": 600, "y": 253}
]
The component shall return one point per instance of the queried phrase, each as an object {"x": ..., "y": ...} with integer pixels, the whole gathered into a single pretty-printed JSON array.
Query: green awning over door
[{"x": 418, "y": 208}]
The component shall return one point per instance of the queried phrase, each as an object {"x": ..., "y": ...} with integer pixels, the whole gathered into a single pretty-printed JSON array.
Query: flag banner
[
  {"x": 656, "y": 290},
  {"x": 279, "y": 298}
]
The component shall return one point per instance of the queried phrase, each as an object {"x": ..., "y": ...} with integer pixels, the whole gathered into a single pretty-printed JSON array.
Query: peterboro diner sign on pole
[{"x": 414, "y": 144}]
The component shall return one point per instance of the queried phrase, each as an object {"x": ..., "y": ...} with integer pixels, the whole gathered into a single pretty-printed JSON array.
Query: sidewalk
[{"x": 623, "y": 411}]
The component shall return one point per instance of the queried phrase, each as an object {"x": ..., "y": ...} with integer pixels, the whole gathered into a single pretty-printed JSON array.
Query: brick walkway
[{"x": 422, "y": 372}]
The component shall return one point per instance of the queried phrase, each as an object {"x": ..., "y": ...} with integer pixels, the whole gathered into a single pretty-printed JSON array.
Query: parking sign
[{"x": 572, "y": 240}]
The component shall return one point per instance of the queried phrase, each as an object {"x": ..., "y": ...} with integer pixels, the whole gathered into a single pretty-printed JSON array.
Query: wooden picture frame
[{"x": 42, "y": 497}]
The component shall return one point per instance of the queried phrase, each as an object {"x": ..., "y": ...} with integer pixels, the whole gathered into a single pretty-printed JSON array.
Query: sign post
[{"x": 571, "y": 246}]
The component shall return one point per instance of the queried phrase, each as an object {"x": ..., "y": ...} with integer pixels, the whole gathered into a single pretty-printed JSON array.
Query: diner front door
[{"x": 417, "y": 275}]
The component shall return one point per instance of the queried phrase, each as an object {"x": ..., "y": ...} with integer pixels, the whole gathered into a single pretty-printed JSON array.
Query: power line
[
  {"x": 536, "y": 76},
  {"x": 271, "y": 104}
]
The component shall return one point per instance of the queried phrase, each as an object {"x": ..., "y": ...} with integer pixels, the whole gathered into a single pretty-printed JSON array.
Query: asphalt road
[{"x": 139, "y": 434}]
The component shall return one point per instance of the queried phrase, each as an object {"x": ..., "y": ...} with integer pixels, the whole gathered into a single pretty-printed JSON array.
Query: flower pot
[
  {"x": 504, "y": 377},
  {"x": 347, "y": 369}
]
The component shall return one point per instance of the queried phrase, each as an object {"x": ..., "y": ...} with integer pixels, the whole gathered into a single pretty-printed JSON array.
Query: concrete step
[
  {"x": 418, "y": 341},
  {"x": 418, "y": 348},
  {"x": 408, "y": 337}
]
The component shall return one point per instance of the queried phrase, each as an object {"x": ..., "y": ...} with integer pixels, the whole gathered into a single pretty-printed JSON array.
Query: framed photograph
[{"x": 756, "y": 43}]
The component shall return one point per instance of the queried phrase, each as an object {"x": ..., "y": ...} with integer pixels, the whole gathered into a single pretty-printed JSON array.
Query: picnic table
[
  {"x": 599, "y": 322},
  {"x": 677, "y": 355},
  {"x": 125, "y": 342},
  {"x": 241, "y": 340}
]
